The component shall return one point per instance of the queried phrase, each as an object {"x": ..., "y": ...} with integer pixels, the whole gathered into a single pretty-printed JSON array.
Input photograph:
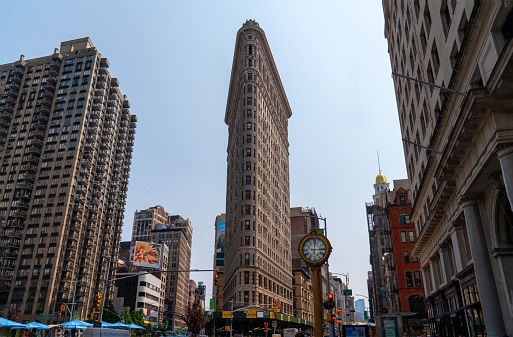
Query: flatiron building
[{"x": 258, "y": 260}]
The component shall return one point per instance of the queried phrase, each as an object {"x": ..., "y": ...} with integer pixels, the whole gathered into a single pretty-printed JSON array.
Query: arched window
[
  {"x": 250, "y": 88},
  {"x": 416, "y": 304}
]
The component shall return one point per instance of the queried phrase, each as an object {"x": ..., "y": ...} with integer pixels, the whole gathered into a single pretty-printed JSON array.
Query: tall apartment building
[
  {"x": 258, "y": 268},
  {"x": 459, "y": 155},
  {"x": 175, "y": 233},
  {"x": 66, "y": 138}
]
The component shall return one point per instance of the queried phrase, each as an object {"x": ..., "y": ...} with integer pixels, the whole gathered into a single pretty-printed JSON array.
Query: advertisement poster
[
  {"x": 147, "y": 254},
  {"x": 220, "y": 235},
  {"x": 355, "y": 331},
  {"x": 389, "y": 327}
]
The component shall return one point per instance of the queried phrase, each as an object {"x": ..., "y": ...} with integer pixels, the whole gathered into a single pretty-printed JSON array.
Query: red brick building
[{"x": 405, "y": 268}]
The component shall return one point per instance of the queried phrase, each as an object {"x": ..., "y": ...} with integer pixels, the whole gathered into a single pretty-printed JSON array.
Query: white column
[
  {"x": 445, "y": 263},
  {"x": 483, "y": 269},
  {"x": 458, "y": 247},
  {"x": 505, "y": 154}
]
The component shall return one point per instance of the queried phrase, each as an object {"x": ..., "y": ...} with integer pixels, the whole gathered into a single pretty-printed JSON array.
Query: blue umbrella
[
  {"x": 5, "y": 323},
  {"x": 119, "y": 325},
  {"x": 107, "y": 325},
  {"x": 37, "y": 326},
  {"x": 77, "y": 324},
  {"x": 135, "y": 326}
]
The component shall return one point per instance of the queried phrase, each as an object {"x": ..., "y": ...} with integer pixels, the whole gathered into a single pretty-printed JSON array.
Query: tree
[
  {"x": 125, "y": 317},
  {"x": 109, "y": 313},
  {"x": 195, "y": 318},
  {"x": 138, "y": 317}
]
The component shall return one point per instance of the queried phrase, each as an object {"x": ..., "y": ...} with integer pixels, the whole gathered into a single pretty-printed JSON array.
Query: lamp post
[{"x": 72, "y": 310}]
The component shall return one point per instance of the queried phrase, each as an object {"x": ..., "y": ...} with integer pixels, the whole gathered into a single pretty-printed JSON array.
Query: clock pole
[
  {"x": 318, "y": 317},
  {"x": 315, "y": 249}
]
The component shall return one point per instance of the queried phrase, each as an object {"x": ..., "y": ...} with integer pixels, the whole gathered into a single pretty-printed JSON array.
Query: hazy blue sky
[{"x": 173, "y": 60}]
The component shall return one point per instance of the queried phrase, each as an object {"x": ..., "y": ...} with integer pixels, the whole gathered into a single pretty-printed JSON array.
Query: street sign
[
  {"x": 348, "y": 292},
  {"x": 266, "y": 310},
  {"x": 212, "y": 303}
]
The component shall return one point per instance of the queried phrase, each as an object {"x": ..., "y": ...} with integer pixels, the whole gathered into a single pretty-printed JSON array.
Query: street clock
[{"x": 314, "y": 248}]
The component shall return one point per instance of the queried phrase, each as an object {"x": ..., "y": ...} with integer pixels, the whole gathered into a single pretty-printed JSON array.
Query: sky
[{"x": 173, "y": 60}]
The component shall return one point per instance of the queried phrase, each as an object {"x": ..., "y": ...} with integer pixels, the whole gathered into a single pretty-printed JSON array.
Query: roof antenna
[{"x": 379, "y": 165}]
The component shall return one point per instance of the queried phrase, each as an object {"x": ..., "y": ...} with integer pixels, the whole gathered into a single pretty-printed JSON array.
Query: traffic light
[
  {"x": 329, "y": 303},
  {"x": 216, "y": 279},
  {"x": 62, "y": 307},
  {"x": 339, "y": 311},
  {"x": 98, "y": 301}
]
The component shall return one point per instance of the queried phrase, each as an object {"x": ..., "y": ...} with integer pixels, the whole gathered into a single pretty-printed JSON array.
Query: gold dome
[{"x": 380, "y": 179}]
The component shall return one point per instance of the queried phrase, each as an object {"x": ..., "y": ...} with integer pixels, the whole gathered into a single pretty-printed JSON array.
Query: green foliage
[
  {"x": 138, "y": 317},
  {"x": 109, "y": 313},
  {"x": 126, "y": 317},
  {"x": 195, "y": 318}
]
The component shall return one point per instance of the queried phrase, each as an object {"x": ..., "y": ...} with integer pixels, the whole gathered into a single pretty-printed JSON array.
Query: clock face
[{"x": 314, "y": 249}]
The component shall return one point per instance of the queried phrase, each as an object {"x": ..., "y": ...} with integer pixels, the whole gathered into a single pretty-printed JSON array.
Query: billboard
[
  {"x": 220, "y": 236},
  {"x": 147, "y": 254}
]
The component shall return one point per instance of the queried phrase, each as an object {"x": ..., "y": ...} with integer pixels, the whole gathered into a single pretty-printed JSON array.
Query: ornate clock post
[{"x": 315, "y": 249}]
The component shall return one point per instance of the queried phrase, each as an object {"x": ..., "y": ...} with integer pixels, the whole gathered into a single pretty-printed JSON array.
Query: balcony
[
  {"x": 30, "y": 159},
  {"x": 24, "y": 185},
  {"x": 51, "y": 79},
  {"x": 103, "y": 70},
  {"x": 55, "y": 65},
  {"x": 16, "y": 79},
  {"x": 23, "y": 195},
  {"x": 14, "y": 86},
  {"x": 19, "y": 213},
  {"x": 33, "y": 149},
  {"x": 7, "y": 108},
  {"x": 11, "y": 92},
  {"x": 52, "y": 72},
  {"x": 97, "y": 106},
  {"x": 10, "y": 100}
]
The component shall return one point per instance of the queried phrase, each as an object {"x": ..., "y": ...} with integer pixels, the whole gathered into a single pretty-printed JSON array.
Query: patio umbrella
[
  {"x": 77, "y": 324},
  {"x": 37, "y": 326},
  {"x": 135, "y": 326},
  {"x": 119, "y": 325},
  {"x": 107, "y": 325},
  {"x": 5, "y": 323}
]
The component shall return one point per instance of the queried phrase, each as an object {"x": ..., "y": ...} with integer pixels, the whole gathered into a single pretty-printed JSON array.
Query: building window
[
  {"x": 409, "y": 279},
  {"x": 247, "y": 196},
  {"x": 418, "y": 282},
  {"x": 406, "y": 256},
  {"x": 411, "y": 236},
  {"x": 246, "y": 277},
  {"x": 250, "y": 76},
  {"x": 247, "y": 225},
  {"x": 402, "y": 200},
  {"x": 247, "y": 241},
  {"x": 248, "y": 180},
  {"x": 249, "y": 126},
  {"x": 403, "y": 237},
  {"x": 250, "y": 88},
  {"x": 247, "y": 209},
  {"x": 249, "y": 101},
  {"x": 246, "y": 259},
  {"x": 249, "y": 113},
  {"x": 249, "y": 139},
  {"x": 248, "y": 166},
  {"x": 404, "y": 218},
  {"x": 248, "y": 152}
]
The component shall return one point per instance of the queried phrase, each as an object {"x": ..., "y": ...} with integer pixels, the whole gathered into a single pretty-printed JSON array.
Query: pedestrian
[
  {"x": 26, "y": 333},
  {"x": 33, "y": 332}
]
